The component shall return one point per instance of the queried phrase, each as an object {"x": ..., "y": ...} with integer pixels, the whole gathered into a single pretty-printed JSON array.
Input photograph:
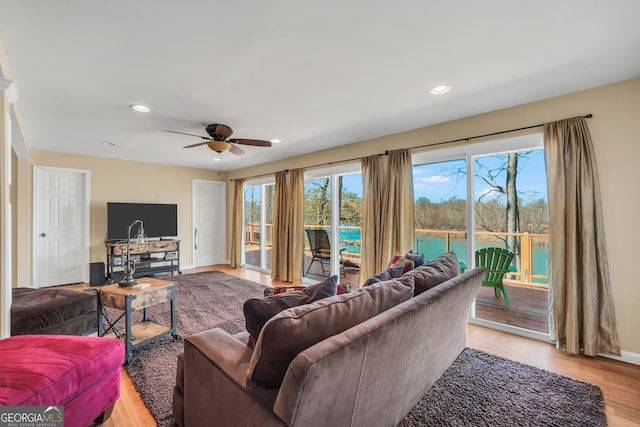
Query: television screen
[{"x": 159, "y": 220}]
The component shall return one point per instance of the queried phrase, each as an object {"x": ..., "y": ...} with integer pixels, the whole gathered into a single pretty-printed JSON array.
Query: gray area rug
[{"x": 477, "y": 390}]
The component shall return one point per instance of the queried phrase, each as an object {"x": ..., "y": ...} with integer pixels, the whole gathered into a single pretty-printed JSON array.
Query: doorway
[
  {"x": 209, "y": 239},
  {"x": 60, "y": 226}
]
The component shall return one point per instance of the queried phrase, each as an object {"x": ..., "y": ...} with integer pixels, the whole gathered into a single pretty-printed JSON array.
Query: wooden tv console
[{"x": 158, "y": 256}]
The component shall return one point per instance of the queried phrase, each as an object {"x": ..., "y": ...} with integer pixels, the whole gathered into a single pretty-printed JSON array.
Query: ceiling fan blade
[
  {"x": 196, "y": 144},
  {"x": 254, "y": 142},
  {"x": 236, "y": 150},
  {"x": 218, "y": 130},
  {"x": 184, "y": 133}
]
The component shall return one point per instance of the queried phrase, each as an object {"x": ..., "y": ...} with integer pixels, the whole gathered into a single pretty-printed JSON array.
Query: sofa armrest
[{"x": 215, "y": 383}]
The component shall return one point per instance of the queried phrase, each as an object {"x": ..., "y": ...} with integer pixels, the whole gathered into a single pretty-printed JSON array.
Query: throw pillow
[
  {"x": 258, "y": 311},
  {"x": 405, "y": 263},
  {"x": 296, "y": 329},
  {"x": 396, "y": 272},
  {"x": 380, "y": 277},
  {"x": 418, "y": 259},
  {"x": 438, "y": 270}
]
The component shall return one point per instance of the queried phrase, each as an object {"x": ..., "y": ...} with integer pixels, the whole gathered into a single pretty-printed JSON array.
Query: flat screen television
[{"x": 159, "y": 219}]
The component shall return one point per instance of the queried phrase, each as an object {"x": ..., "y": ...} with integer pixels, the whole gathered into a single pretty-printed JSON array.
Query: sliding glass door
[
  {"x": 258, "y": 224},
  {"x": 333, "y": 223},
  {"x": 506, "y": 182},
  {"x": 511, "y": 214}
]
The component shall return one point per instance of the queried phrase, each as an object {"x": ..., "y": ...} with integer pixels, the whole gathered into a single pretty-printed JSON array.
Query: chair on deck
[
  {"x": 321, "y": 249},
  {"x": 497, "y": 262}
]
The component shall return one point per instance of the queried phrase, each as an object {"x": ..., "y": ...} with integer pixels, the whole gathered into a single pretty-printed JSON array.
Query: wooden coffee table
[{"x": 130, "y": 299}]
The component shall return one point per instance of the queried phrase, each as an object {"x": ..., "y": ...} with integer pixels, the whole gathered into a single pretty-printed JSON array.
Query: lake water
[{"x": 431, "y": 247}]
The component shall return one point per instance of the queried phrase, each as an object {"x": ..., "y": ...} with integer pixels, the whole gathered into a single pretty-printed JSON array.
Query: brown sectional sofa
[{"x": 370, "y": 374}]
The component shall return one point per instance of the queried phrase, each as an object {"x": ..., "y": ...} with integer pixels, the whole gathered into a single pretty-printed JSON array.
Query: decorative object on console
[{"x": 128, "y": 262}]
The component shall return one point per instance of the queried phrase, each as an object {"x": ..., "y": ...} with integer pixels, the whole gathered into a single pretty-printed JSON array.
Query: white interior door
[
  {"x": 209, "y": 207},
  {"x": 61, "y": 226}
]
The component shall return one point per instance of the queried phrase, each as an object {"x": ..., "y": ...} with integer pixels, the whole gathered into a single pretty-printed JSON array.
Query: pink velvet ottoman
[{"x": 82, "y": 374}]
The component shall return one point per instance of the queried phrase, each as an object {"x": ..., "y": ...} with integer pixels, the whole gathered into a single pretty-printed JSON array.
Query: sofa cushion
[
  {"x": 258, "y": 311},
  {"x": 296, "y": 329},
  {"x": 438, "y": 270}
]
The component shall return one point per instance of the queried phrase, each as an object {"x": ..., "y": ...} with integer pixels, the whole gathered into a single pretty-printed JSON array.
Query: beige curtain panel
[
  {"x": 236, "y": 222},
  {"x": 288, "y": 227},
  {"x": 401, "y": 202},
  {"x": 387, "y": 210},
  {"x": 582, "y": 312},
  {"x": 376, "y": 248}
]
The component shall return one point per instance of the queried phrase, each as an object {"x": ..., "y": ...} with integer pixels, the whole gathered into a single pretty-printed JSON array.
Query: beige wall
[
  {"x": 127, "y": 181},
  {"x": 615, "y": 129}
]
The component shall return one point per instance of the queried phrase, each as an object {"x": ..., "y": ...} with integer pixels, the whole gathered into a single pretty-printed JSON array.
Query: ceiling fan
[{"x": 219, "y": 141}]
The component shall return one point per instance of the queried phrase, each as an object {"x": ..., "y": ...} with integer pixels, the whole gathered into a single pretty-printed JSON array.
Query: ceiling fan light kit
[{"x": 219, "y": 146}]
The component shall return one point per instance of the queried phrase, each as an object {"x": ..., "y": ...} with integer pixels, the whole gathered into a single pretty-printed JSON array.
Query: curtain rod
[{"x": 586, "y": 116}]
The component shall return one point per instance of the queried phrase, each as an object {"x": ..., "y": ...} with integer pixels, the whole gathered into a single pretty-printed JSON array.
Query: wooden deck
[{"x": 528, "y": 305}]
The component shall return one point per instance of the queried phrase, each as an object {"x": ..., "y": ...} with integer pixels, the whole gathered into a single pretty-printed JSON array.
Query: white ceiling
[{"x": 315, "y": 74}]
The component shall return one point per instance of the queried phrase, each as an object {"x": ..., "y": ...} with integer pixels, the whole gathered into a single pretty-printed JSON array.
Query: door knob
[{"x": 42, "y": 234}]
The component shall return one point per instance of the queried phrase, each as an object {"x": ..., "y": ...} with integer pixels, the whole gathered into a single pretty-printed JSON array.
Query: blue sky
[{"x": 439, "y": 181}]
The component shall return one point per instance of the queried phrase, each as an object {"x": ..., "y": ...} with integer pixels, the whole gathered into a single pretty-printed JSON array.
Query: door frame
[
  {"x": 85, "y": 175},
  {"x": 223, "y": 220}
]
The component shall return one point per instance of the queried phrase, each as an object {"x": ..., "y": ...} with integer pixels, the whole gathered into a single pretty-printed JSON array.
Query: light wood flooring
[{"x": 619, "y": 381}]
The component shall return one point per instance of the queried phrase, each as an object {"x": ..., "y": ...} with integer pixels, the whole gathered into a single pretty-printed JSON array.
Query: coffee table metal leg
[
  {"x": 128, "y": 338},
  {"x": 174, "y": 333}
]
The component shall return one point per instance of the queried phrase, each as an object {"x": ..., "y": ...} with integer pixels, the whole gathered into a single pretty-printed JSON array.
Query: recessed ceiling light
[
  {"x": 140, "y": 108},
  {"x": 275, "y": 141},
  {"x": 217, "y": 159},
  {"x": 439, "y": 90},
  {"x": 111, "y": 144}
]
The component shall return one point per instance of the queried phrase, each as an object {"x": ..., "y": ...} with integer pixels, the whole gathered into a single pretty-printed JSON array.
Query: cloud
[
  {"x": 434, "y": 179},
  {"x": 487, "y": 193}
]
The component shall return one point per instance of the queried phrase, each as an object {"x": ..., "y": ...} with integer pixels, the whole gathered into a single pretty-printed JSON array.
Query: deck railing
[{"x": 529, "y": 243}]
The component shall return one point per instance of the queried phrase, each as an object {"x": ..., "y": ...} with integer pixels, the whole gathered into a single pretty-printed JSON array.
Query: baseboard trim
[
  {"x": 626, "y": 356},
  {"x": 514, "y": 330}
]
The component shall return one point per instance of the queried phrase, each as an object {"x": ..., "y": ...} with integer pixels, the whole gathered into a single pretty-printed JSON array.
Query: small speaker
[{"x": 96, "y": 273}]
